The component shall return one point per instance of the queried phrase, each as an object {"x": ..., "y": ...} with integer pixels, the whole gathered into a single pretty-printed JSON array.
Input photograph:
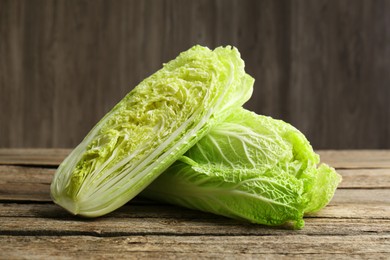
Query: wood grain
[
  {"x": 356, "y": 223},
  {"x": 323, "y": 66},
  {"x": 334, "y": 79},
  {"x": 181, "y": 227},
  {"x": 361, "y": 170},
  {"x": 205, "y": 247},
  {"x": 41, "y": 157},
  {"x": 33, "y": 184},
  {"x": 356, "y": 158},
  {"x": 345, "y": 205}
]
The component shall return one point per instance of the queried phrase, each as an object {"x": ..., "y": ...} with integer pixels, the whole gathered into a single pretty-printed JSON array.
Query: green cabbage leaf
[
  {"x": 249, "y": 167},
  {"x": 150, "y": 128}
]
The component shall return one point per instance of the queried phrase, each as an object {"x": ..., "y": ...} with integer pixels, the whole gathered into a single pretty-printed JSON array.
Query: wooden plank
[
  {"x": 362, "y": 196},
  {"x": 359, "y": 212},
  {"x": 136, "y": 209},
  {"x": 39, "y": 156},
  {"x": 365, "y": 178},
  {"x": 21, "y": 183},
  {"x": 195, "y": 247},
  {"x": 353, "y": 210},
  {"x": 332, "y": 44},
  {"x": 356, "y": 158},
  {"x": 139, "y": 208},
  {"x": 29, "y": 184},
  {"x": 33, "y": 183},
  {"x": 107, "y": 226},
  {"x": 323, "y": 63}
]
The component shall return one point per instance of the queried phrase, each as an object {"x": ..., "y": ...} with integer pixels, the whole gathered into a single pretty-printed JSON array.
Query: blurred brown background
[{"x": 323, "y": 66}]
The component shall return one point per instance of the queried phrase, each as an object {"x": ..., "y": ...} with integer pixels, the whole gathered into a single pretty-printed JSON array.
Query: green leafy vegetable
[
  {"x": 249, "y": 167},
  {"x": 150, "y": 128}
]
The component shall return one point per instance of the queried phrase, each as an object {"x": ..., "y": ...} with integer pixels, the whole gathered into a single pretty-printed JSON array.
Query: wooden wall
[{"x": 322, "y": 65}]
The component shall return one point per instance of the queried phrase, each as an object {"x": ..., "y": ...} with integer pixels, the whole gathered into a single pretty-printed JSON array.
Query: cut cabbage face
[
  {"x": 151, "y": 127},
  {"x": 249, "y": 167}
]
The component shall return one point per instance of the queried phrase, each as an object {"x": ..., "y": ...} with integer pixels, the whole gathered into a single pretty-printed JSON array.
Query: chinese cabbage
[
  {"x": 249, "y": 167},
  {"x": 158, "y": 121}
]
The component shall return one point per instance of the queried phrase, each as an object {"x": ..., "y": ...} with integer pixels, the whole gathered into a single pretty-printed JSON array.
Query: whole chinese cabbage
[
  {"x": 249, "y": 167},
  {"x": 158, "y": 121}
]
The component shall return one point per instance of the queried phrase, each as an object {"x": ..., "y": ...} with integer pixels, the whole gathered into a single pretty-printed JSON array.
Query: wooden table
[{"x": 355, "y": 224}]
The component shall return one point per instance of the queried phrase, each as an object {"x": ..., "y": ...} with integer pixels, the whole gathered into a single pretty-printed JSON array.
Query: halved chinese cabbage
[
  {"x": 158, "y": 121},
  {"x": 249, "y": 167}
]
